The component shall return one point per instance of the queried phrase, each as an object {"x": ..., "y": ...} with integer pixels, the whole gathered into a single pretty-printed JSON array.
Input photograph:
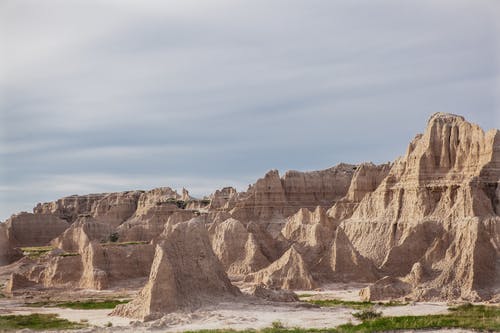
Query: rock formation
[
  {"x": 272, "y": 196},
  {"x": 223, "y": 199},
  {"x": 425, "y": 227},
  {"x": 311, "y": 232},
  {"x": 437, "y": 206},
  {"x": 236, "y": 248},
  {"x": 82, "y": 262},
  {"x": 115, "y": 208},
  {"x": 154, "y": 208},
  {"x": 17, "y": 282},
  {"x": 366, "y": 179},
  {"x": 26, "y": 229},
  {"x": 288, "y": 272},
  {"x": 8, "y": 253},
  {"x": 185, "y": 274},
  {"x": 347, "y": 264},
  {"x": 78, "y": 236},
  {"x": 69, "y": 208}
]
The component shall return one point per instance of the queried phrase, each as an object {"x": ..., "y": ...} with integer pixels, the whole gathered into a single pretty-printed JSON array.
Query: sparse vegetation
[
  {"x": 349, "y": 304},
  {"x": 124, "y": 243},
  {"x": 113, "y": 238},
  {"x": 109, "y": 324},
  {"x": 179, "y": 203},
  {"x": 277, "y": 324},
  {"x": 81, "y": 305},
  {"x": 367, "y": 314},
  {"x": 341, "y": 303},
  {"x": 36, "y": 251},
  {"x": 69, "y": 254},
  {"x": 37, "y": 321},
  {"x": 305, "y": 295},
  {"x": 476, "y": 317}
]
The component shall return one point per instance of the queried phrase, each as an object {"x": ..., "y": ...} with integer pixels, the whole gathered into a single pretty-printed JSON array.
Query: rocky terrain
[{"x": 424, "y": 227}]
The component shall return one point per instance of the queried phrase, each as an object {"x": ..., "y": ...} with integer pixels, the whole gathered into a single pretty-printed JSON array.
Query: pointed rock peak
[
  {"x": 288, "y": 272},
  {"x": 272, "y": 174},
  {"x": 445, "y": 117},
  {"x": 185, "y": 195}
]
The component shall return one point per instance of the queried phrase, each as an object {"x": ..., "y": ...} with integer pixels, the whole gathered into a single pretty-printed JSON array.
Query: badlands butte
[{"x": 425, "y": 227}]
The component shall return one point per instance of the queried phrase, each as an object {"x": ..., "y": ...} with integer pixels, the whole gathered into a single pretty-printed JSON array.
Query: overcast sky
[{"x": 101, "y": 96}]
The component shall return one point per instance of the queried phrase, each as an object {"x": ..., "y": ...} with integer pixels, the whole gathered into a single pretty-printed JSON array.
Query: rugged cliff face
[
  {"x": 274, "y": 197},
  {"x": 365, "y": 180},
  {"x": 438, "y": 198},
  {"x": 8, "y": 253},
  {"x": 236, "y": 248},
  {"x": 26, "y": 229}
]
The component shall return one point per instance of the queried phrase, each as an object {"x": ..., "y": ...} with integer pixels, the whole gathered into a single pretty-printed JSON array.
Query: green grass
[
  {"x": 36, "y": 321},
  {"x": 367, "y": 314},
  {"x": 69, "y": 254},
  {"x": 351, "y": 304},
  {"x": 475, "y": 317},
  {"x": 123, "y": 243},
  {"x": 83, "y": 305},
  {"x": 35, "y": 252}
]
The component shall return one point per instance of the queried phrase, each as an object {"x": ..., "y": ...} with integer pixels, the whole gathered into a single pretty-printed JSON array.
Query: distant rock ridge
[{"x": 274, "y": 197}]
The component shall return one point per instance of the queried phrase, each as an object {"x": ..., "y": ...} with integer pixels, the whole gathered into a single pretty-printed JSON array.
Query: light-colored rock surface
[
  {"x": 154, "y": 208},
  {"x": 185, "y": 274},
  {"x": 80, "y": 262},
  {"x": 80, "y": 234},
  {"x": 347, "y": 264},
  {"x": 425, "y": 227},
  {"x": 437, "y": 206},
  {"x": 272, "y": 196},
  {"x": 366, "y": 179},
  {"x": 223, "y": 199},
  {"x": 311, "y": 231},
  {"x": 16, "y": 282},
  {"x": 288, "y": 272},
  {"x": 69, "y": 208},
  {"x": 236, "y": 248},
  {"x": 8, "y": 253},
  {"x": 115, "y": 208},
  {"x": 26, "y": 229}
]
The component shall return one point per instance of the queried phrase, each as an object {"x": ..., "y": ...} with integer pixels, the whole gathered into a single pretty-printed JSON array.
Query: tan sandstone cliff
[{"x": 437, "y": 209}]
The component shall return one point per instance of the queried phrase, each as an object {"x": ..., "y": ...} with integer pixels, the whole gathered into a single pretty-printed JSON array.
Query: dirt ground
[{"x": 249, "y": 313}]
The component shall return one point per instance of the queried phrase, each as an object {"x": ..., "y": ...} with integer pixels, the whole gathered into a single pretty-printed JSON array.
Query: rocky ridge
[{"x": 425, "y": 227}]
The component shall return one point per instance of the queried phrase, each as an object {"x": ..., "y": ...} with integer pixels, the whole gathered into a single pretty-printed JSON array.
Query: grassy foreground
[
  {"x": 84, "y": 305},
  {"x": 477, "y": 317},
  {"x": 37, "y": 321}
]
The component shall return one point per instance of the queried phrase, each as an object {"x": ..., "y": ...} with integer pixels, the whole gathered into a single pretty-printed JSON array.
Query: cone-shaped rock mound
[
  {"x": 288, "y": 272},
  {"x": 185, "y": 275}
]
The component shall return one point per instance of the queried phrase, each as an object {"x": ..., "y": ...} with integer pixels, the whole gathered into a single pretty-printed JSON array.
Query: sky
[{"x": 102, "y": 96}]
